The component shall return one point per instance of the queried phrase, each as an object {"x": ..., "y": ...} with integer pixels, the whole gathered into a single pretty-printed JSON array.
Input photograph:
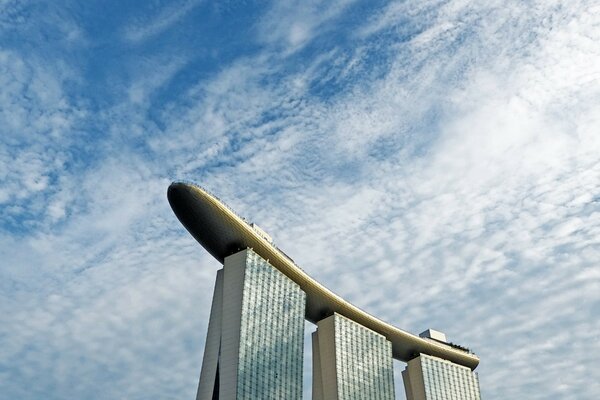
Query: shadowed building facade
[{"x": 254, "y": 345}]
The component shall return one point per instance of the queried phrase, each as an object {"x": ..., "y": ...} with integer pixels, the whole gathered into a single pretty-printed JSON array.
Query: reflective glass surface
[
  {"x": 444, "y": 380},
  {"x": 363, "y": 362},
  {"x": 271, "y": 335}
]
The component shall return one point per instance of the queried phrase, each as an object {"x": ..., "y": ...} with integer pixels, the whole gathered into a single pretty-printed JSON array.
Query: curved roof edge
[{"x": 222, "y": 232}]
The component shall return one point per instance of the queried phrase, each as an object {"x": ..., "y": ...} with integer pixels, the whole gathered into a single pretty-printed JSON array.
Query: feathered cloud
[
  {"x": 159, "y": 19},
  {"x": 434, "y": 162}
]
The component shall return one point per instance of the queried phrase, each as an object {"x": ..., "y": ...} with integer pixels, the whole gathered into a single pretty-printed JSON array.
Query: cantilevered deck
[{"x": 222, "y": 233}]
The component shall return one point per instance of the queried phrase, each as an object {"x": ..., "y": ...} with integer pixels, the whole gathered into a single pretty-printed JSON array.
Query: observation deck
[{"x": 222, "y": 232}]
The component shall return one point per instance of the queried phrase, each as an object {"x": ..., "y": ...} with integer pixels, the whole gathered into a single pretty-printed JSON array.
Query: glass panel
[{"x": 272, "y": 334}]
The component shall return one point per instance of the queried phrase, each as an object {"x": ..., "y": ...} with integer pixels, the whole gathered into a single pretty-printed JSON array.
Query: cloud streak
[
  {"x": 164, "y": 18},
  {"x": 436, "y": 164}
]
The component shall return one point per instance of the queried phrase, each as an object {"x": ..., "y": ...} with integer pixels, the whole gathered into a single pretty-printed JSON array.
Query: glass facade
[
  {"x": 363, "y": 361},
  {"x": 359, "y": 360},
  {"x": 255, "y": 344},
  {"x": 271, "y": 334},
  {"x": 433, "y": 378}
]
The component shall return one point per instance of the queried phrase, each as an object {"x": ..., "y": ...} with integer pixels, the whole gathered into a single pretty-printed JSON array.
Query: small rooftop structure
[{"x": 435, "y": 335}]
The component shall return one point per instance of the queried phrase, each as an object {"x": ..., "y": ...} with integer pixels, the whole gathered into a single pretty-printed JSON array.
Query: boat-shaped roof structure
[{"x": 222, "y": 233}]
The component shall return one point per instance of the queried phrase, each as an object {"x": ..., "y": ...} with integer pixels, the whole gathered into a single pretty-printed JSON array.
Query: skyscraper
[
  {"x": 433, "y": 378},
  {"x": 351, "y": 362},
  {"x": 254, "y": 347},
  {"x": 254, "y": 343}
]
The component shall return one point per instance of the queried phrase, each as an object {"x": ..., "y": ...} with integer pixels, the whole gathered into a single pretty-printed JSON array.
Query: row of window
[
  {"x": 363, "y": 362},
  {"x": 444, "y": 380},
  {"x": 272, "y": 334}
]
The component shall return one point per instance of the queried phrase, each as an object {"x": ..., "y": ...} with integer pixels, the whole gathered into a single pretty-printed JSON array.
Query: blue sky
[{"x": 434, "y": 162}]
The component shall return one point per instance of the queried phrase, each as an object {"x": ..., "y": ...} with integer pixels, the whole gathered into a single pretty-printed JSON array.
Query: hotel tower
[{"x": 254, "y": 345}]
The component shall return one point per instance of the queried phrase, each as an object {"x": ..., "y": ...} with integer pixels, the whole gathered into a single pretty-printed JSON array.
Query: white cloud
[
  {"x": 37, "y": 121},
  {"x": 153, "y": 74},
  {"x": 163, "y": 19},
  {"x": 289, "y": 26},
  {"x": 457, "y": 189}
]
